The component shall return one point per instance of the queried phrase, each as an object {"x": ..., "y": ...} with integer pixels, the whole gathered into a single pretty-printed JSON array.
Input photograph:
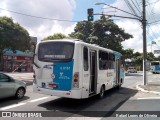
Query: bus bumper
[{"x": 76, "y": 94}]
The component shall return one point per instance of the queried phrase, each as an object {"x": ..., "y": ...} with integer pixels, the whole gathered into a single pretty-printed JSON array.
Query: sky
[{"x": 41, "y": 18}]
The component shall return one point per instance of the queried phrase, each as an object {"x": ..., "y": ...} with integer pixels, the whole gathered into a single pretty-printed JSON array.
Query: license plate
[{"x": 52, "y": 85}]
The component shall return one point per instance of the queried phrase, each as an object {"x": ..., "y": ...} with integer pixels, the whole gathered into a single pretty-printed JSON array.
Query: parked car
[
  {"x": 132, "y": 70},
  {"x": 11, "y": 87}
]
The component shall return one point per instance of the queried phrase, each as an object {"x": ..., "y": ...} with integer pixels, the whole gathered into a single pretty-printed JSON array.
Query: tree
[
  {"x": 127, "y": 57},
  {"x": 138, "y": 60},
  {"x": 103, "y": 32},
  {"x": 56, "y": 36},
  {"x": 82, "y": 31},
  {"x": 12, "y": 37},
  {"x": 128, "y": 53},
  {"x": 108, "y": 34},
  {"x": 150, "y": 56}
]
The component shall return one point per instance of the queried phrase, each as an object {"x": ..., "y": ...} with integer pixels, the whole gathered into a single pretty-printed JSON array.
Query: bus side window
[
  {"x": 85, "y": 58},
  {"x": 103, "y": 59},
  {"x": 111, "y": 60}
]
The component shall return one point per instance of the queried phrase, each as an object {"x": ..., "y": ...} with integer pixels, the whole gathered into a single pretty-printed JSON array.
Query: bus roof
[
  {"x": 81, "y": 42},
  {"x": 155, "y": 61},
  {"x": 61, "y": 40}
]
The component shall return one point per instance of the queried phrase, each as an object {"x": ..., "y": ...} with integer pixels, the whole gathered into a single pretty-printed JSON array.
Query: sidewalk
[{"x": 153, "y": 85}]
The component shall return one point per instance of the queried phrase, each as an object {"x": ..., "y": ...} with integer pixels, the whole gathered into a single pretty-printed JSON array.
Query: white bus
[
  {"x": 155, "y": 67},
  {"x": 74, "y": 69}
]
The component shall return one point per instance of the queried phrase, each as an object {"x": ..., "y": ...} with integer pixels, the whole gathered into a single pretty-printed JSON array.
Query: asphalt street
[{"x": 128, "y": 98}]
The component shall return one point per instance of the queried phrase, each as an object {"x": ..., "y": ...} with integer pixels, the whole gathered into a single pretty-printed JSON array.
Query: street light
[{"x": 99, "y": 3}]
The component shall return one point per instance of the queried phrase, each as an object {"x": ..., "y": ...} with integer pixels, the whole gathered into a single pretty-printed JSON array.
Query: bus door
[
  {"x": 86, "y": 72},
  {"x": 93, "y": 72},
  {"x": 117, "y": 71}
]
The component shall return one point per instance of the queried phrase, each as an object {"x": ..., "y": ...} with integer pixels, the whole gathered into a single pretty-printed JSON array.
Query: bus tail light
[{"x": 76, "y": 80}]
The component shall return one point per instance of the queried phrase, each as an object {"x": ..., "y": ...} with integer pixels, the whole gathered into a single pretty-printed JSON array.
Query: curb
[{"x": 141, "y": 89}]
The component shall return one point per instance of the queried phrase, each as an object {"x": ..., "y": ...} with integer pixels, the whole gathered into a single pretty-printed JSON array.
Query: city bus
[
  {"x": 155, "y": 67},
  {"x": 72, "y": 68}
]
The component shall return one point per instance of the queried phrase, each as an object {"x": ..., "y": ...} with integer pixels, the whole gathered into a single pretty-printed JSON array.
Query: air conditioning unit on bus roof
[
  {"x": 95, "y": 44},
  {"x": 78, "y": 40}
]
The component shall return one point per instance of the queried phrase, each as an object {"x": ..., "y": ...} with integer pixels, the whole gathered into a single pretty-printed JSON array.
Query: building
[{"x": 17, "y": 61}]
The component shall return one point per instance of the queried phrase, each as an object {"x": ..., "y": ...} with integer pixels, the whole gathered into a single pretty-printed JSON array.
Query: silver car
[
  {"x": 11, "y": 87},
  {"x": 132, "y": 70}
]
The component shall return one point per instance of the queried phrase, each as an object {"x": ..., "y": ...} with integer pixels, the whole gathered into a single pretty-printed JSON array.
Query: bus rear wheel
[
  {"x": 118, "y": 86},
  {"x": 101, "y": 94}
]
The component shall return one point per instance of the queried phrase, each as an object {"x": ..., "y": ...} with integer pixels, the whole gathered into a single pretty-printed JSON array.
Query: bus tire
[
  {"x": 101, "y": 94},
  {"x": 119, "y": 86}
]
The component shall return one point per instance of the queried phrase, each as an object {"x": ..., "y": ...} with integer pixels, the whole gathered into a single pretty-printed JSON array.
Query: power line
[
  {"x": 136, "y": 6},
  {"x": 155, "y": 33},
  {"x": 151, "y": 39},
  {"x": 154, "y": 22},
  {"x": 131, "y": 7},
  {"x": 139, "y": 6},
  {"x": 118, "y": 9},
  {"x": 37, "y": 16},
  {"x": 151, "y": 16}
]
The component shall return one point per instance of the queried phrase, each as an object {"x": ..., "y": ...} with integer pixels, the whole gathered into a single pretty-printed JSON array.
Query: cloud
[
  {"x": 61, "y": 9},
  {"x": 134, "y": 27}
]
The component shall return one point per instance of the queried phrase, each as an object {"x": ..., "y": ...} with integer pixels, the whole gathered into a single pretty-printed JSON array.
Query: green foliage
[
  {"x": 128, "y": 53},
  {"x": 56, "y": 36},
  {"x": 138, "y": 58},
  {"x": 150, "y": 56},
  {"x": 103, "y": 32},
  {"x": 158, "y": 58},
  {"x": 13, "y": 36},
  {"x": 82, "y": 31}
]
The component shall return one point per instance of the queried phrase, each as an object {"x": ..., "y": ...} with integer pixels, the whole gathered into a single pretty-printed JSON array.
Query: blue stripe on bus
[
  {"x": 122, "y": 73},
  {"x": 63, "y": 72},
  {"x": 155, "y": 67}
]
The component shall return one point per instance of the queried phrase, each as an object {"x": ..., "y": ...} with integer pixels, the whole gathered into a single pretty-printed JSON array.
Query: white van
[{"x": 132, "y": 70}]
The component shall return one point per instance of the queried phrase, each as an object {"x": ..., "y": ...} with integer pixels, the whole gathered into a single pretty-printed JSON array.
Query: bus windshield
[
  {"x": 154, "y": 63},
  {"x": 51, "y": 51}
]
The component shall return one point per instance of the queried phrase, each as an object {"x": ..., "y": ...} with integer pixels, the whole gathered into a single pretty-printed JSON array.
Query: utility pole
[
  {"x": 145, "y": 82},
  {"x": 143, "y": 20}
]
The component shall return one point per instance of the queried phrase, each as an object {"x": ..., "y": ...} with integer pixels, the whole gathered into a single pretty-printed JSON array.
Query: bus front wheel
[{"x": 101, "y": 94}]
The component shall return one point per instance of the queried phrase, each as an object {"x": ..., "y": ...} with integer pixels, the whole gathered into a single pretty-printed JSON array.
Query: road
[{"x": 128, "y": 98}]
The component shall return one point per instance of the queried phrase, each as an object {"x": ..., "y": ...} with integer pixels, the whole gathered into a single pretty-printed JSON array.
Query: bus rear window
[
  {"x": 154, "y": 63},
  {"x": 51, "y": 51}
]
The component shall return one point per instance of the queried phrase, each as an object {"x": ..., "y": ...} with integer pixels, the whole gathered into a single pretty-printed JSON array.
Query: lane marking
[
  {"x": 147, "y": 98},
  {"x": 35, "y": 100},
  {"x": 12, "y": 106},
  {"x": 20, "y": 104}
]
